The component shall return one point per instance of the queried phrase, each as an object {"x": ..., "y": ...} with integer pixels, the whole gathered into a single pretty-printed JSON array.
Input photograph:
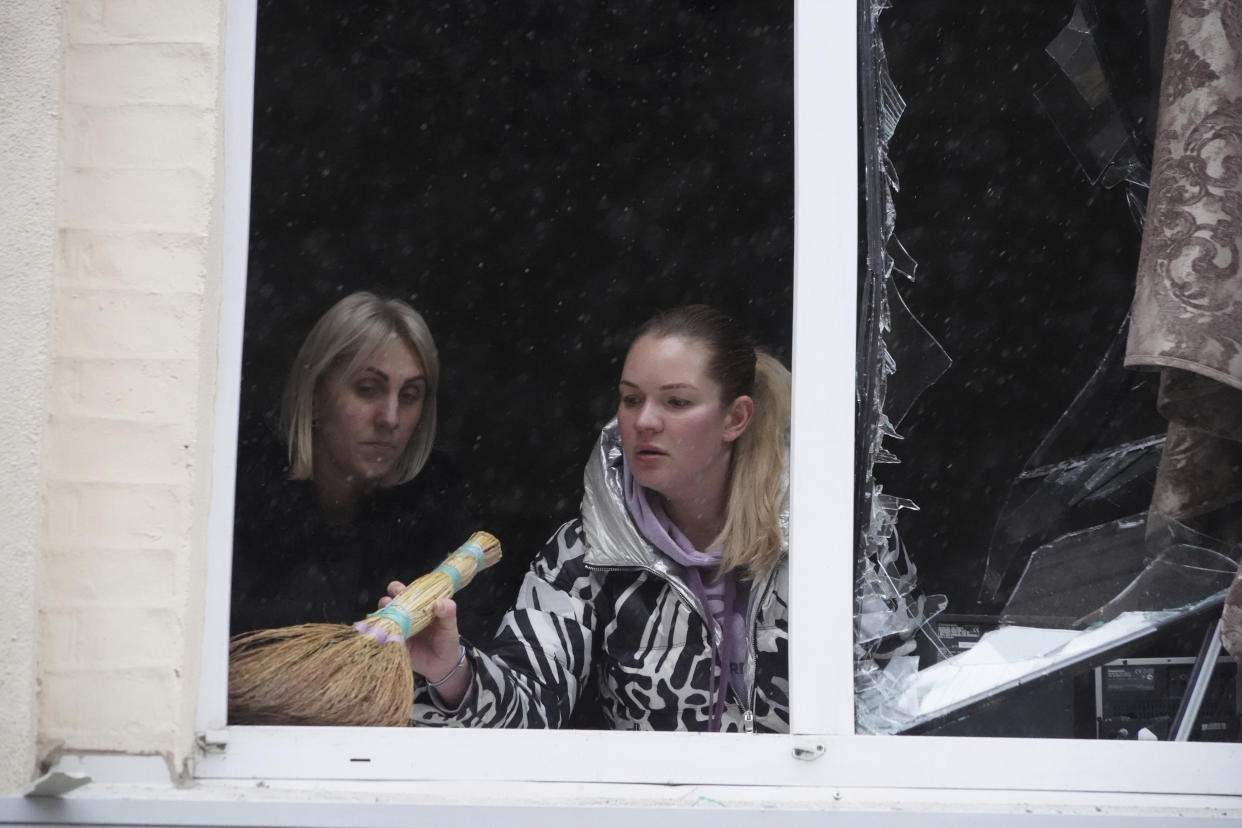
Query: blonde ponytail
[{"x": 752, "y": 536}]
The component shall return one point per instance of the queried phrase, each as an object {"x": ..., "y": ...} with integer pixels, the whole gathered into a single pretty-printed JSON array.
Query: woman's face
[
  {"x": 676, "y": 434},
  {"x": 364, "y": 420}
]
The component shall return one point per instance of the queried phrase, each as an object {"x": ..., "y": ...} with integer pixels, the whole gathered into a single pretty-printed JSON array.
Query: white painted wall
[
  {"x": 132, "y": 377},
  {"x": 30, "y": 49}
]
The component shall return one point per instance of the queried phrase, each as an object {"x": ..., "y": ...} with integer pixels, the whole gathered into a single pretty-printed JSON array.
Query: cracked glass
[{"x": 1047, "y": 469}]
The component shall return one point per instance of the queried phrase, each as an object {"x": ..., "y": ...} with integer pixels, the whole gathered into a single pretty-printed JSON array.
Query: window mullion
[{"x": 825, "y": 267}]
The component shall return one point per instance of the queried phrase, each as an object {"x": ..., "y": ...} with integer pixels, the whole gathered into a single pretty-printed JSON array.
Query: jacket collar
[{"x": 612, "y": 538}]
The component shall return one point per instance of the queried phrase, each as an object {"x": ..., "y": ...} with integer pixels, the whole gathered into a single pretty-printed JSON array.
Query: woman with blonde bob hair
[
  {"x": 354, "y": 329},
  {"x": 671, "y": 586},
  {"x": 347, "y": 488}
]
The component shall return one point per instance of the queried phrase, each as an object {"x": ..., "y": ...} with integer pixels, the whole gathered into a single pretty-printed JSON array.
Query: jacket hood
[{"x": 612, "y": 537}]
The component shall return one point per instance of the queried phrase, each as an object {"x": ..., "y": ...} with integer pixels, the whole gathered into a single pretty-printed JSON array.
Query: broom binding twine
[
  {"x": 392, "y": 612},
  {"x": 469, "y": 548},
  {"x": 411, "y": 610}
]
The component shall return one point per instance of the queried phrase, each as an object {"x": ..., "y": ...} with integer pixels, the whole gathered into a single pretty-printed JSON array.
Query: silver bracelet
[{"x": 452, "y": 672}]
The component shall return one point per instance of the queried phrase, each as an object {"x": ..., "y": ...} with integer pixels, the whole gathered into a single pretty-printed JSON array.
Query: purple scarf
[{"x": 718, "y": 595}]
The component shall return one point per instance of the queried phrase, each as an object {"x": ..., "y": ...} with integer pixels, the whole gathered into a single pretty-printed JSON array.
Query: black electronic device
[{"x": 1134, "y": 694}]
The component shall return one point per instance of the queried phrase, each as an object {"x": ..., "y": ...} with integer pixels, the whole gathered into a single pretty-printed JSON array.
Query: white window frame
[{"x": 822, "y": 750}]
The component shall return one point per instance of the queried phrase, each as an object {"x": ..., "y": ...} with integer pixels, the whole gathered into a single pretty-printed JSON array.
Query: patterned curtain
[{"x": 1187, "y": 315}]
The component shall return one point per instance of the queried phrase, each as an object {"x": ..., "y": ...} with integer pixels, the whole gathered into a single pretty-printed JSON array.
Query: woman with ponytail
[{"x": 671, "y": 585}]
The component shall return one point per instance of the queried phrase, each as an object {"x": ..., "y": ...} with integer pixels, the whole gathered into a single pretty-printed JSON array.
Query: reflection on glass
[{"x": 1076, "y": 513}]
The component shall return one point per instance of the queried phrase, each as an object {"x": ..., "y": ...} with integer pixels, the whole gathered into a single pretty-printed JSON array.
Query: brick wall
[{"x": 127, "y": 456}]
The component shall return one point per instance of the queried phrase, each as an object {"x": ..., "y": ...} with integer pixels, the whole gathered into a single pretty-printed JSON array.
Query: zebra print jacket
[{"x": 599, "y": 598}]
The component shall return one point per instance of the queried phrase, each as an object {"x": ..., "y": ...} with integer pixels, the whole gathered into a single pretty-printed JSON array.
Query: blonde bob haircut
[{"x": 346, "y": 336}]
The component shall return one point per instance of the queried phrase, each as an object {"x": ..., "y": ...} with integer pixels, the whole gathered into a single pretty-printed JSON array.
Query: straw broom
[{"x": 335, "y": 674}]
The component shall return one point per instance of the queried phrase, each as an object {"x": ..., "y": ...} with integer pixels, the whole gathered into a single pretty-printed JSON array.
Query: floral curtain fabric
[{"x": 1187, "y": 313}]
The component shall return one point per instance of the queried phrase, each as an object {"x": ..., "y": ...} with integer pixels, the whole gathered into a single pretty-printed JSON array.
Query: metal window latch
[
  {"x": 212, "y": 741},
  {"x": 808, "y": 753}
]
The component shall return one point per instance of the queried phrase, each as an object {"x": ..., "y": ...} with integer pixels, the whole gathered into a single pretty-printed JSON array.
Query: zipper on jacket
[
  {"x": 683, "y": 592},
  {"x": 688, "y": 598},
  {"x": 691, "y": 600},
  {"x": 748, "y": 713}
]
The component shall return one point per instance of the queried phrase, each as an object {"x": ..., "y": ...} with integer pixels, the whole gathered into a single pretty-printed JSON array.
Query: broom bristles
[
  {"x": 329, "y": 674},
  {"x": 318, "y": 674}
]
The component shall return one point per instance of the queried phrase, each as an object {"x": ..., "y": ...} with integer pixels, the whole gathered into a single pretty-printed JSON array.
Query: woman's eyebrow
[
  {"x": 370, "y": 369},
  {"x": 666, "y": 387}
]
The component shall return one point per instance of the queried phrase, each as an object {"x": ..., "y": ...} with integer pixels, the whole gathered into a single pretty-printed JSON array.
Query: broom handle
[{"x": 411, "y": 610}]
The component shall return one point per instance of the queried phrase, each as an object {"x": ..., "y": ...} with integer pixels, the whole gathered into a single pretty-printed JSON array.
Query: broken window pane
[{"x": 1030, "y": 505}]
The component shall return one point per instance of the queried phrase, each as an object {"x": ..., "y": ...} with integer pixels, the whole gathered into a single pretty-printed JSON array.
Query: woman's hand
[{"x": 436, "y": 651}]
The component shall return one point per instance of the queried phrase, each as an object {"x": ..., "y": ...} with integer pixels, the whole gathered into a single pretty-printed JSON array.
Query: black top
[{"x": 292, "y": 566}]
